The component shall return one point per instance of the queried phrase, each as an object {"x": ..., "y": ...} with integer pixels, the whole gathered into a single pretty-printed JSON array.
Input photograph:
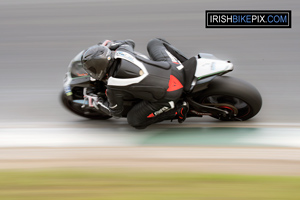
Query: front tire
[{"x": 239, "y": 98}]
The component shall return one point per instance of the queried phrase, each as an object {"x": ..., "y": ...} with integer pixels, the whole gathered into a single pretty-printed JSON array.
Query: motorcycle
[{"x": 222, "y": 97}]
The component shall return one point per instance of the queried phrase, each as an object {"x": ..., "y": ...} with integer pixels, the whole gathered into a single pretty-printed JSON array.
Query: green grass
[{"x": 91, "y": 185}]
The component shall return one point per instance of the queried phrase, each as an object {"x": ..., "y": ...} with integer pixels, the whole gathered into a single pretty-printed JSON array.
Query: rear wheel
[
  {"x": 241, "y": 100},
  {"x": 78, "y": 110}
]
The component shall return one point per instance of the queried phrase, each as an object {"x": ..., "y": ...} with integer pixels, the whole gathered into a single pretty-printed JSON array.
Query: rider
[{"x": 159, "y": 82}]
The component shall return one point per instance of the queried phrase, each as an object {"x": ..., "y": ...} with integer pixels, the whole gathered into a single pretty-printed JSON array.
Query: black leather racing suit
[{"x": 159, "y": 84}]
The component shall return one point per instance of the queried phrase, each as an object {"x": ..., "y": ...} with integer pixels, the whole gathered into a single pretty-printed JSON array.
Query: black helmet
[{"x": 96, "y": 61}]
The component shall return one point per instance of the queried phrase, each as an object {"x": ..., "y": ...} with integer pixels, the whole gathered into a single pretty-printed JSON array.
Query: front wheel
[{"x": 240, "y": 99}]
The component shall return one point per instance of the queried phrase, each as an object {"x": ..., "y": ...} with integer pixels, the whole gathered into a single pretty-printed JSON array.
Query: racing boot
[{"x": 182, "y": 112}]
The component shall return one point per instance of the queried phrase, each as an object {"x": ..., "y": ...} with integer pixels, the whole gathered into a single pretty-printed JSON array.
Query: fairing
[{"x": 209, "y": 65}]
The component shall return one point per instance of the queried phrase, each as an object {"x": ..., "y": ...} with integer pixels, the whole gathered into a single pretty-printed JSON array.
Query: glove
[
  {"x": 116, "y": 113},
  {"x": 103, "y": 106}
]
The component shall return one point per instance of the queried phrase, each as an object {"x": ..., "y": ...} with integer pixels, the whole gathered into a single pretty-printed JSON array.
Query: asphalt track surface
[{"x": 39, "y": 38}]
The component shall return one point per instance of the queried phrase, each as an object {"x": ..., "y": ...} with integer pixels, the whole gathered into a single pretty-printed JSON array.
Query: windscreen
[{"x": 77, "y": 70}]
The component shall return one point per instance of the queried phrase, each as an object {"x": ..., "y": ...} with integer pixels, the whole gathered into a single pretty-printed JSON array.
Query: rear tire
[
  {"x": 234, "y": 94},
  {"x": 76, "y": 108}
]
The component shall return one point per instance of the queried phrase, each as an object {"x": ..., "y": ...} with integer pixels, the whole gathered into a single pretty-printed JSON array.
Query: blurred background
[{"x": 38, "y": 39}]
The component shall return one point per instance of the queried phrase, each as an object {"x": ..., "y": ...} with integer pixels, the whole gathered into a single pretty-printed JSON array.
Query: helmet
[{"x": 96, "y": 61}]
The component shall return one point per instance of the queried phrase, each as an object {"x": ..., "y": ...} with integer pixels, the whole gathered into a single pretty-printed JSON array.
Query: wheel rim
[{"x": 234, "y": 105}]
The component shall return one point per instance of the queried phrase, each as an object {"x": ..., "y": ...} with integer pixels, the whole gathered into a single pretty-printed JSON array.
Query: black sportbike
[{"x": 210, "y": 93}]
